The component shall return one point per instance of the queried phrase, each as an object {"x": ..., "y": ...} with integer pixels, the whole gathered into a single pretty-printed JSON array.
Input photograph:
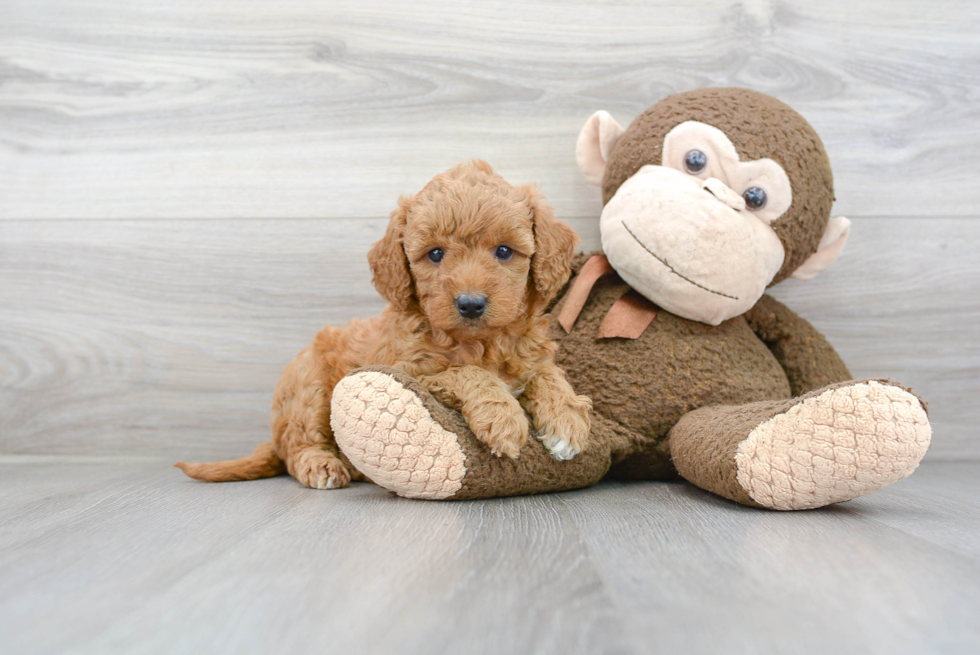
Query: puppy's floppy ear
[
  {"x": 554, "y": 247},
  {"x": 389, "y": 265}
]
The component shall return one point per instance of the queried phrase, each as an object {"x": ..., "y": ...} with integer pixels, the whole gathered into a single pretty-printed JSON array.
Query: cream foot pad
[
  {"x": 835, "y": 446},
  {"x": 389, "y": 435}
]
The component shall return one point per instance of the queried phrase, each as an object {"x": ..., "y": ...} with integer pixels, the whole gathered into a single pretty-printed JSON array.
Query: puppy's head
[{"x": 472, "y": 252}]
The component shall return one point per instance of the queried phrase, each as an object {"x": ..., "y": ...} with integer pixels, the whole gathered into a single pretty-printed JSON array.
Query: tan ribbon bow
[{"x": 627, "y": 318}]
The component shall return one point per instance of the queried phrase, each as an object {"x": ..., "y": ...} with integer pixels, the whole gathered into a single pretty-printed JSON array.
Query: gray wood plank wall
[{"x": 188, "y": 189}]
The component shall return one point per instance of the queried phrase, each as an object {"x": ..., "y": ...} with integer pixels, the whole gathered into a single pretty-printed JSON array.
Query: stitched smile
[{"x": 672, "y": 269}]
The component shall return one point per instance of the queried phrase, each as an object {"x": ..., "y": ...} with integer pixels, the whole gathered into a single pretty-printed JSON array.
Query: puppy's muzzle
[{"x": 471, "y": 305}]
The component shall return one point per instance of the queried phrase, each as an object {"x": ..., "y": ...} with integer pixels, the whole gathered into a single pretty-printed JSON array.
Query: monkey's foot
[
  {"x": 828, "y": 446},
  {"x": 387, "y": 433},
  {"x": 396, "y": 433},
  {"x": 836, "y": 445}
]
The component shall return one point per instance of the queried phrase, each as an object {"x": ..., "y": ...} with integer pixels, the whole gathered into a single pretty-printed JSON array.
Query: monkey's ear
[
  {"x": 595, "y": 143},
  {"x": 554, "y": 248},
  {"x": 389, "y": 265},
  {"x": 831, "y": 245}
]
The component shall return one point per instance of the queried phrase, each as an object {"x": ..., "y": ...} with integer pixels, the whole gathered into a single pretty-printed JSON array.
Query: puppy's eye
[
  {"x": 755, "y": 198},
  {"x": 503, "y": 253},
  {"x": 435, "y": 255},
  {"x": 695, "y": 161}
]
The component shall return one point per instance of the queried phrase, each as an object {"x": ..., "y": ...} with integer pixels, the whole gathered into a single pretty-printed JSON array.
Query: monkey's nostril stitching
[
  {"x": 471, "y": 305},
  {"x": 723, "y": 194}
]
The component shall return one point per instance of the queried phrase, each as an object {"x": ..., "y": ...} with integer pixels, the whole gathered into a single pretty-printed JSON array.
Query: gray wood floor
[{"x": 118, "y": 555}]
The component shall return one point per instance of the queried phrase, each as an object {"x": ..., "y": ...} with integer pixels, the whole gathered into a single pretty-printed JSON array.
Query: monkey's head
[{"x": 710, "y": 197}]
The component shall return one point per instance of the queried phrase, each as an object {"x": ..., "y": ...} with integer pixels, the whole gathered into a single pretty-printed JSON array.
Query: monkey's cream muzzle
[{"x": 689, "y": 245}]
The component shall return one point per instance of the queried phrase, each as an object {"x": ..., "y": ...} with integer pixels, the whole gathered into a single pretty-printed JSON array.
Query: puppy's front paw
[
  {"x": 319, "y": 469},
  {"x": 505, "y": 429},
  {"x": 566, "y": 433}
]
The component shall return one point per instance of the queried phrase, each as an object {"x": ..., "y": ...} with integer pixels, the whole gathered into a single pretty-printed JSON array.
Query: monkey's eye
[
  {"x": 695, "y": 161},
  {"x": 435, "y": 255},
  {"x": 755, "y": 198},
  {"x": 503, "y": 253}
]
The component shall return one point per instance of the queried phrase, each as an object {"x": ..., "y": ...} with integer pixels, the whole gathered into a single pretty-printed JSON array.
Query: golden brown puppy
[{"x": 468, "y": 266}]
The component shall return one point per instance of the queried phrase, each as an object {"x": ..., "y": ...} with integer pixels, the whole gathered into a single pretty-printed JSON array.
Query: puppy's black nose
[{"x": 471, "y": 306}]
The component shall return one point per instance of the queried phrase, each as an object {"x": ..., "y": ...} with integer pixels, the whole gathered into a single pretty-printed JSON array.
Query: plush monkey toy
[{"x": 709, "y": 198}]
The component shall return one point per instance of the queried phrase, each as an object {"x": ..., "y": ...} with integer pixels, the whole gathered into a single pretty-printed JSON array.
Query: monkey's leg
[
  {"x": 827, "y": 446},
  {"x": 400, "y": 436}
]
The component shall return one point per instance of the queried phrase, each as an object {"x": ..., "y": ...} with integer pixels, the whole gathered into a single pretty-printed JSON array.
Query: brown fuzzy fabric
[
  {"x": 759, "y": 126},
  {"x": 808, "y": 359},
  {"x": 647, "y": 384},
  {"x": 704, "y": 443}
]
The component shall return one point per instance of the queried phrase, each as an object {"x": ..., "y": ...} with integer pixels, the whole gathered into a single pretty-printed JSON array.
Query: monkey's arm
[{"x": 808, "y": 359}]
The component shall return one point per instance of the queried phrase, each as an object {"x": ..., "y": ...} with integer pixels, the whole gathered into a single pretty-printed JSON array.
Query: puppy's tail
[{"x": 263, "y": 463}]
